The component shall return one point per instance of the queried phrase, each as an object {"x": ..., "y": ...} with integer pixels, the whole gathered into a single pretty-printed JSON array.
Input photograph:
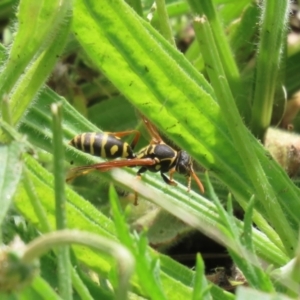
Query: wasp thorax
[{"x": 184, "y": 163}]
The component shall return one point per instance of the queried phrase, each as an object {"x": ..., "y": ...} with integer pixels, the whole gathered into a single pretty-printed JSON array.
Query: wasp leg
[
  {"x": 189, "y": 181},
  {"x": 167, "y": 180},
  {"x": 136, "y": 196},
  {"x": 120, "y": 134},
  {"x": 171, "y": 172},
  {"x": 141, "y": 170},
  {"x": 156, "y": 139},
  {"x": 139, "y": 177}
]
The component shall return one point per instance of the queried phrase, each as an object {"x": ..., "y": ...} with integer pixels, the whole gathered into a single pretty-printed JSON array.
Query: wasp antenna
[{"x": 199, "y": 183}]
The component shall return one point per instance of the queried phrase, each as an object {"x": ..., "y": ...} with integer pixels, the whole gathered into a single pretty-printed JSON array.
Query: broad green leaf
[
  {"x": 113, "y": 119},
  {"x": 174, "y": 96}
]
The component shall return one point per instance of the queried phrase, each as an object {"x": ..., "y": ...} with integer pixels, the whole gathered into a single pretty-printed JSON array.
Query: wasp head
[{"x": 184, "y": 163}]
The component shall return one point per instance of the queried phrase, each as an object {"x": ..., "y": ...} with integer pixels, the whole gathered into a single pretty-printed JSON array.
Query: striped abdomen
[{"x": 102, "y": 144}]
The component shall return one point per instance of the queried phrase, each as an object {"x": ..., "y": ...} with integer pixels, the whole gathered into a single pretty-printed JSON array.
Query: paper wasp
[{"x": 156, "y": 157}]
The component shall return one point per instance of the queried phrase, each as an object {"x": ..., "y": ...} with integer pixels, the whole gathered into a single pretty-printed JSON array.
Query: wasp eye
[{"x": 184, "y": 162}]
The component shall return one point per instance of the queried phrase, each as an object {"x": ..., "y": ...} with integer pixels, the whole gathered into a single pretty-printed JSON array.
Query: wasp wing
[{"x": 109, "y": 165}]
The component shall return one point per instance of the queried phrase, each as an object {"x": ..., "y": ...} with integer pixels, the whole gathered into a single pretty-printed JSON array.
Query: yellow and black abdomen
[{"x": 102, "y": 144}]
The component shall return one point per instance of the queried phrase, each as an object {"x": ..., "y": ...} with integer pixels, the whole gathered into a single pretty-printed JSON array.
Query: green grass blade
[
  {"x": 10, "y": 174},
  {"x": 125, "y": 261},
  {"x": 164, "y": 24},
  {"x": 207, "y": 9},
  {"x": 201, "y": 287},
  {"x": 243, "y": 36},
  {"x": 269, "y": 55},
  {"x": 136, "y": 5},
  {"x": 35, "y": 50},
  {"x": 240, "y": 135},
  {"x": 39, "y": 289},
  {"x": 138, "y": 246},
  {"x": 63, "y": 252}
]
